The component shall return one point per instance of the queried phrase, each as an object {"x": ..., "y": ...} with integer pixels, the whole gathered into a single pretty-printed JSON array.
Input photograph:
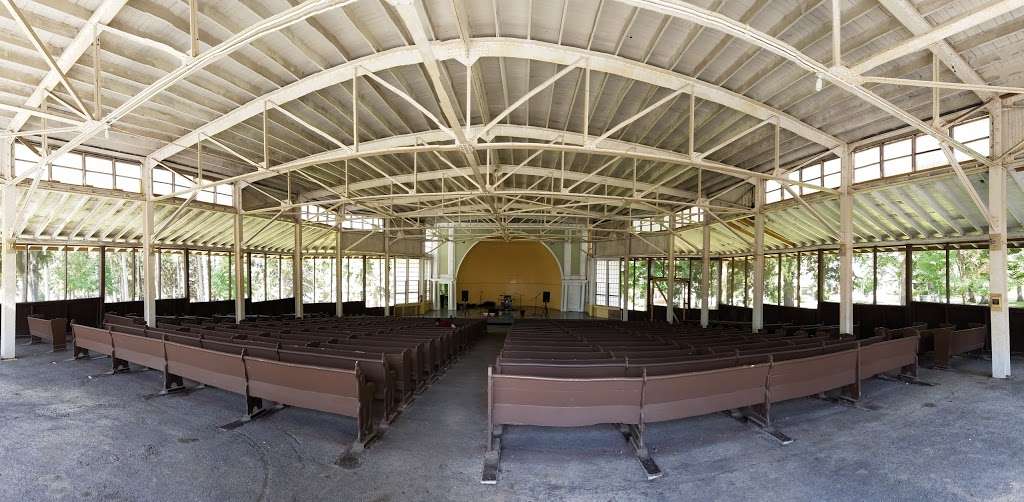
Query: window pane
[
  {"x": 353, "y": 275},
  {"x": 308, "y": 280},
  {"x": 287, "y": 276},
  {"x": 637, "y": 285},
  {"x": 930, "y": 160},
  {"x": 257, "y": 267},
  {"x": 899, "y": 166},
  {"x": 897, "y": 149},
  {"x": 374, "y": 282},
  {"x": 863, "y": 278},
  {"x": 771, "y": 279},
  {"x": 83, "y": 274},
  {"x": 891, "y": 273},
  {"x": 1015, "y": 268},
  {"x": 968, "y": 276},
  {"x": 811, "y": 172},
  {"x": 789, "y": 273},
  {"x": 930, "y": 276},
  {"x": 221, "y": 277},
  {"x": 99, "y": 165},
  {"x": 833, "y": 180},
  {"x": 740, "y": 291},
  {"x": 831, "y": 281},
  {"x": 172, "y": 274},
  {"x": 68, "y": 175},
  {"x": 273, "y": 283},
  {"x": 809, "y": 280},
  {"x": 199, "y": 276},
  {"x": 120, "y": 280},
  {"x": 866, "y": 157},
  {"x": 925, "y": 143},
  {"x": 867, "y": 173},
  {"x": 46, "y": 278},
  {"x": 99, "y": 180},
  {"x": 972, "y": 130}
]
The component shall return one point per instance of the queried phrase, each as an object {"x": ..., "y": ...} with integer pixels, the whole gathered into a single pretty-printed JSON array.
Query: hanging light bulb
[{"x": 818, "y": 84}]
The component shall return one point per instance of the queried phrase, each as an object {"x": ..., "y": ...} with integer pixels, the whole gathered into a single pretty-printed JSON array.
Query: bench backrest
[
  {"x": 333, "y": 390},
  {"x": 148, "y": 352},
  {"x": 557, "y": 402},
  {"x": 808, "y": 376},
  {"x": 93, "y": 339},
  {"x": 889, "y": 355},
  {"x": 671, "y": 397},
  {"x": 217, "y": 369},
  {"x": 556, "y": 370}
]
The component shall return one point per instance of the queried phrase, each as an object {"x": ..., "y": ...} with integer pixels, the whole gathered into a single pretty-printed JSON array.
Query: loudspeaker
[
  {"x": 465, "y": 295},
  {"x": 546, "y": 297}
]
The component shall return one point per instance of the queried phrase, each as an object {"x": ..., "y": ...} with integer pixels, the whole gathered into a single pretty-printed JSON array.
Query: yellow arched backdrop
[{"x": 523, "y": 269}]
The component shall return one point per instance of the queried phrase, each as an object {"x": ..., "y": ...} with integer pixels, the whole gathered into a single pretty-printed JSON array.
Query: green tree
[{"x": 1015, "y": 269}]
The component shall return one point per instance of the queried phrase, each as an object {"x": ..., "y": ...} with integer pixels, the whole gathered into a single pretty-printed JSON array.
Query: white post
[
  {"x": 148, "y": 252},
  {"x": 8, "y": 273},
  {"x": 452, "y": 273},
  {"x": 592, "y": 274},
  {"x": 670, "y": 271},
  {"x": 297, "y": 266},
  {"x": 846, "y": 242},
  {"x": 705, "y": 268},
  {"x": 626, "y": 275},
  {"x": 339, "y": 261},
  {"x": 1000, "y": 312},
  {"x": 757, "y": 278},
  {"x": 238, "y": 257},
  {"x": 566, "y": 272},
  {"x": 387, "y": 267}
]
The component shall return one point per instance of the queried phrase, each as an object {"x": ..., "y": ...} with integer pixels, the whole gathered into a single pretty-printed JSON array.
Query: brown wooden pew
[
  {"x": 52, "y": 330},
  {"x": 949, "y": 343}
]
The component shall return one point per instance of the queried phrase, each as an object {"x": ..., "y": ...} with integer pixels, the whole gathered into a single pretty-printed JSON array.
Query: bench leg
[
  {"x": 760, "y": 416},
  {"x": 80, "y": 353},
  {"x": 492, "y": 458},
  {"x": 173, "y": 385},
  {"x": 908, "y": 374},
  {"x": 634, "y": 435},
  {"x": 253, "y": 409}
]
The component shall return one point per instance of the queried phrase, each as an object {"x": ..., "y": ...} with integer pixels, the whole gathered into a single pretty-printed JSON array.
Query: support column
[
  {"x": 626, "y": 277},
  {"x": 757, "y": 278},
  {"x": 1000, "y": 320},
  {"x": 846, "y": 242},
  {"x": 908, "y": 284},
  {"x": 297, "y": 266},
  {"x": 148, "y": 252},
  {"x": 8, "y": 256},
  {"x": 705, "y": 268},
  {"x": 566, "y": 272},
  {"x": 103, "y": 282},
  {"x": 387, "y": 267},
  {"x": 670, "y": 271},
  {"x": 339, "y": 277},
  {"x": 238, "y": 259},
  {"x": 452, "y": 273}
]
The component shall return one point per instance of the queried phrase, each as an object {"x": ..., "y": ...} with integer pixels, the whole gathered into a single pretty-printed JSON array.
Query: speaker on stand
[
  {"x": 546, "y": 298},
  {"x": 464, "y": 296}
]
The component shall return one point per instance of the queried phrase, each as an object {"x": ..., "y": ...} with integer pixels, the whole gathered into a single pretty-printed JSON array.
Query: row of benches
[
  {"x": 368, "y": 382},
  {"x": 946, "y": 341},
  {"x": 565, "y": 391}
]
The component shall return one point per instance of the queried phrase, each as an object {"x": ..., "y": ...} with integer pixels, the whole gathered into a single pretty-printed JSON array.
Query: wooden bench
[
  {"x": 949, "y": 343},
  {"x": 52, "y": 330},
  {"x": 563, "y": 402},
  {"x": 88, "y": 339}
]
